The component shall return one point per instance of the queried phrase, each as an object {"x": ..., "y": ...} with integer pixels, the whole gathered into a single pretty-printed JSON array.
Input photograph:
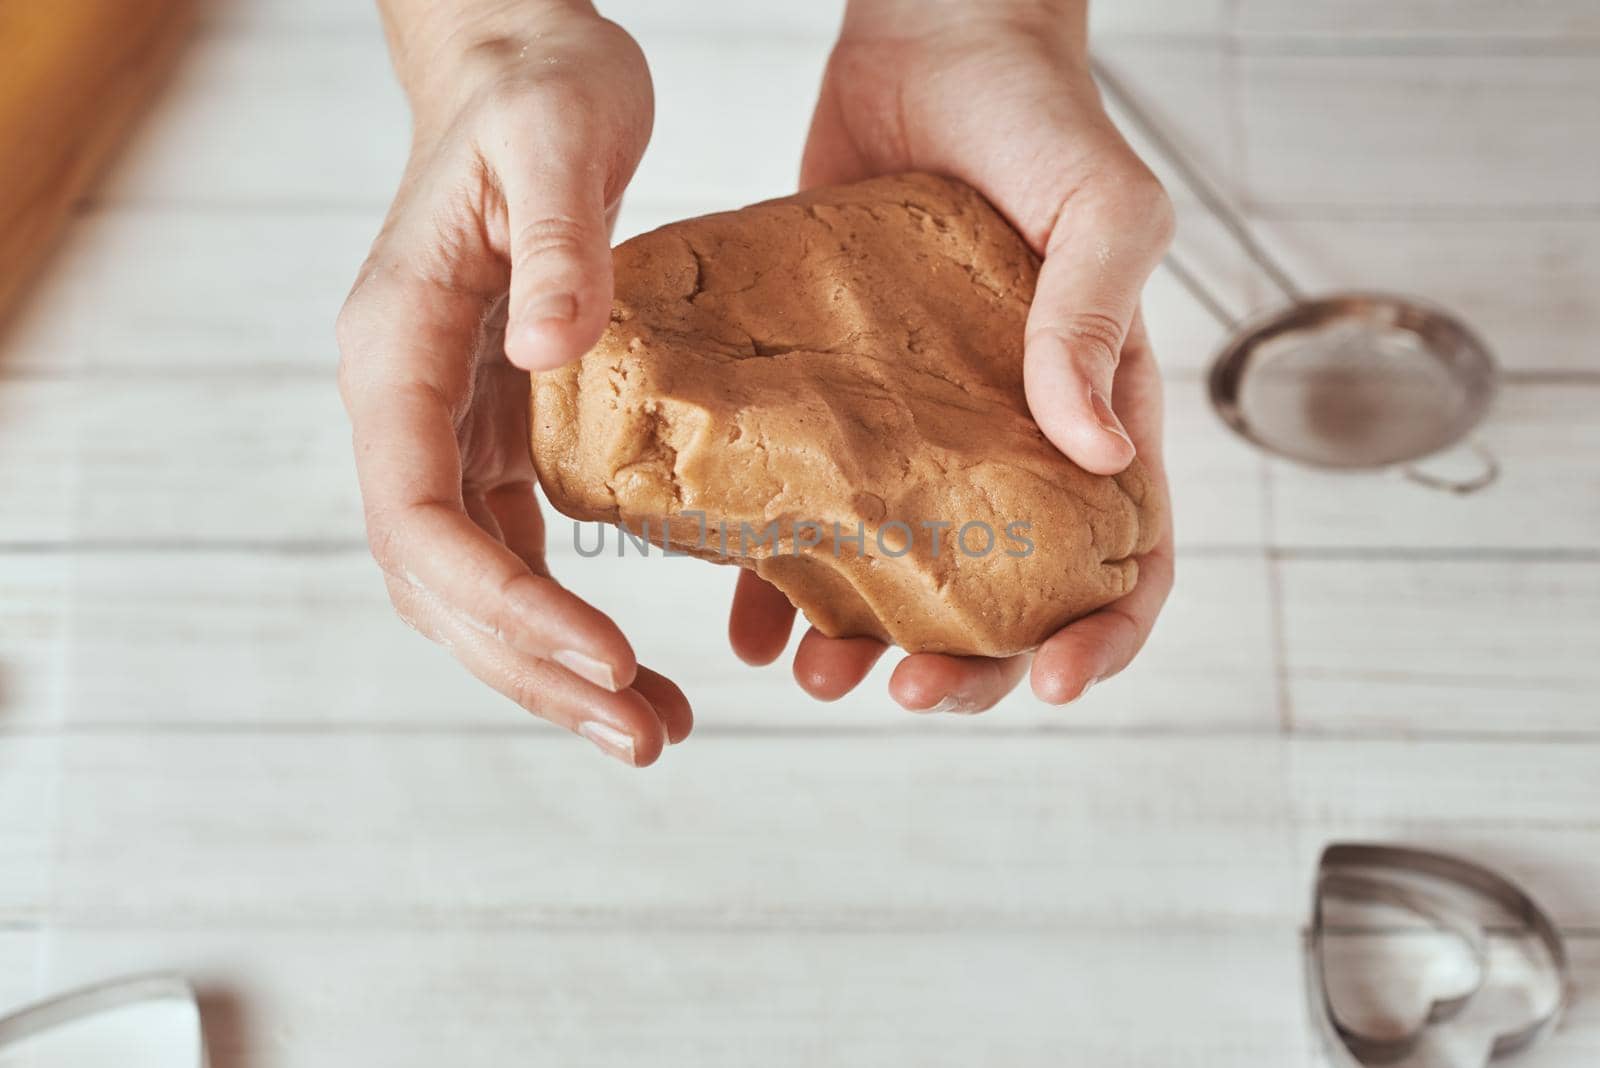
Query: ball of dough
[{"x": 827, "y": 389}]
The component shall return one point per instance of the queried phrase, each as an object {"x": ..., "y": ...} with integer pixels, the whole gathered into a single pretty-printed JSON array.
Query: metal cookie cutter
[
  {"x": 153, "y": 1022},
  {"x": 1438, "y": 888},
  {"x": 1350, "y": 381}
]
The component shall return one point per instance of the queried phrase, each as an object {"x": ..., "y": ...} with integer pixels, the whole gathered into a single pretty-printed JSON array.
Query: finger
[
  {"x": 1100, "y": 252},
  {"x": 935, "y": 682},
  {"x": 828, "y": 668},
  {"x": 516, "y": 510},
  {"x": 760, "y": 621},
  {"x": 1101, "y": 644},
  {"x": 671, "y": 706},
  {"x": 623, "y": 724},
  {"x": 831, "y": 156},
  {"x": 560, "y": 250},
  {"x": 402, "y": 383},
  {"x": 1137, "y": 394}
]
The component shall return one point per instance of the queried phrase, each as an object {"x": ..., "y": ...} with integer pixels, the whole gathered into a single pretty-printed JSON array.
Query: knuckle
[
  {"x": 551, "y": 237},
  {"x": 384, "y": 540},
  {"x": 1134, "y": 200},
  {"x": 528, "y": 690},
  {"x": 1090, "y": 337},
  {"x": 518, "y": 103},
  {"x": 347, "y": 376},
  {"x": 1160, "y": 217}
]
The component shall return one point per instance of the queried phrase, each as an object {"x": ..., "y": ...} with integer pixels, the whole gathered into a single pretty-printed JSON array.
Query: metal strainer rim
[{"x": 1233, "y": 360}]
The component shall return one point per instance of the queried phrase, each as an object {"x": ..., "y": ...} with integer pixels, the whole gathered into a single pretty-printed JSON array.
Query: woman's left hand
[{"x": 998, "y": 93}]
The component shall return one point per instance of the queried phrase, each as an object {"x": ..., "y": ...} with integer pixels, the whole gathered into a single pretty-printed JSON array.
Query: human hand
[
  {"x": 495, "y": 259},
  {"x": 999, "y": 94}
]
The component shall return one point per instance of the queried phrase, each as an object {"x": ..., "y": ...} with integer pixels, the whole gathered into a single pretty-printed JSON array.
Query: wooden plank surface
[
  {"x": 1527, "y": 285},
  {"x": 219, "y": 752},
  {"x": 1424, "y": 646},
  {"x": 28, "y": 810},
  {"x": 755, "y": 17},
  {"x": 76, "y": 76},
  {"x": 1508, "y": 132},
  {"x": 418, "y": 829},
  {"x": 1422, "y": 21},
  {"x": 237, "y": 638},
  {"x": 265, "y": 458},
  {"x": 1525, "y": 808},
  {"x": 1547, "y": 497},
  {"x": 650, "y": 994}
]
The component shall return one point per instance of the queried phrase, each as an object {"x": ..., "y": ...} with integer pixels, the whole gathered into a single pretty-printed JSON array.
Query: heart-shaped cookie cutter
[{"x": 1433, "y": 886}]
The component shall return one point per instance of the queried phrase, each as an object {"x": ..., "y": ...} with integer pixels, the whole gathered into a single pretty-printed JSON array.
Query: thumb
[
  {"x": 1095, "y": 267},
  {"x": 560, "y": 254}
]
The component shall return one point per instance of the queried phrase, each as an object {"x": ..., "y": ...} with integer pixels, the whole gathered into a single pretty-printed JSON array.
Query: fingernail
[
  {"x": 953, "y": 704},
  {"x": 556, "y": 307},
  {"x": 587, "y": 667},
  {"x": 1087, "y": 687},
  {"x": 1107, "y": 418},
  {"x": 608, "y": 739}
]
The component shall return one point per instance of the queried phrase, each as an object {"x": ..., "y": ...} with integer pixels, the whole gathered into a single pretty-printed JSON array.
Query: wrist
[{"x": 1065, "y": 20}]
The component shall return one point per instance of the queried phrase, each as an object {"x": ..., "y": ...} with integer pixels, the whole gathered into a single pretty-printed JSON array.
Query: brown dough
[{"x": 851, "y": 355}]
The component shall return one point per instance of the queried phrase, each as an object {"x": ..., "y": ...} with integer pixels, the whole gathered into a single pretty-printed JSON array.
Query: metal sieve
[{"x": 1349, "y": 381}]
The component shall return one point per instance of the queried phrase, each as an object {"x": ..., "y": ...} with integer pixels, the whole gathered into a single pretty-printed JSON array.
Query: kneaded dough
[{"x": 823, "y": 387}]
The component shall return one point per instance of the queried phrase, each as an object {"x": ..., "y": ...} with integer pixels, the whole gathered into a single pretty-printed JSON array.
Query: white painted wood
[
  {"x": 426, "y": 829},
  {"x": 263, "y": 459},
  {"x": 233, "y": 761},
  {"x": 760, "y": 17},
  {"x": 34, "y": 642},
  {"x": 1527, "y": 285},
  {"x": 29, "y": 767},
  {"x": 266, "y": 458},
  {"x": 1527, "y": 809},
  {"x": 281, "y": 118},
  {"x": 1333, "y": 21},
  {"x": 179, "y": 291},
  {"x": 658, "y": 995},
  {"x": 270, "y": 118},
  {"x": 19, "y": 952},
  {"x": 1547, "y": 497},
  {"x": 173, "y": 291},
  {"x": 1439, "y": 646},
  {"x": 238, "y": 639},
  {"x": 1425, "y": 131}
]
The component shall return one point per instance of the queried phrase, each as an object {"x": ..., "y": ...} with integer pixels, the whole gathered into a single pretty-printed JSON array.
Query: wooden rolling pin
[{"x": 74, "y": 74}]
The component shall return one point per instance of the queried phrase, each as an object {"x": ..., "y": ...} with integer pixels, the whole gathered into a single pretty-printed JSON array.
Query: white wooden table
[{"x": 219, "y": 752}]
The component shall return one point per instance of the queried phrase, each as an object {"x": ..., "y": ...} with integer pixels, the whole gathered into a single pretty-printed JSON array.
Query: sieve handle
[{"x": 1461, "y": 487}]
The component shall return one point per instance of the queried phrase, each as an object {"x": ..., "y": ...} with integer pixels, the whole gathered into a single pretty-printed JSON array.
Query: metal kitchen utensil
[
  {"x": 60, "y": 1032},
  {"x": 1438, "y": 888},
  {"x": 1353, "y": 381}
]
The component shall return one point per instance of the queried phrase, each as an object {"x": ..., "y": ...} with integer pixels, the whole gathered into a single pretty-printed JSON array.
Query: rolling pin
[{"x": 74, "y": 75}]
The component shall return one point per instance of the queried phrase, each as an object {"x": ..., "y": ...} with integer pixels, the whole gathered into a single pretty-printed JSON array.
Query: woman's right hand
[{"x": 529, "y": 120}]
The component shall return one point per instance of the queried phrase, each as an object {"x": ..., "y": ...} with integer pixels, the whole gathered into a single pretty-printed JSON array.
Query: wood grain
[
  {"x": 1422, "y": 21},
  {"x": 1512, "y": 133},
  {"x": 1524, "y": 808},
  {"x": 176, "y": 641},
  {"x": 73, "y": 76},
  {"x": 1420, "y": 646},
  {"x": 29, "y": 769},
  {"x": 265, "y": 458},
  {"x": 1547, "y": 497},
  {"x": 421, "y": 830},
  {"x": 657, "y": 995},
  {"x": 220, "y": 753}
]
